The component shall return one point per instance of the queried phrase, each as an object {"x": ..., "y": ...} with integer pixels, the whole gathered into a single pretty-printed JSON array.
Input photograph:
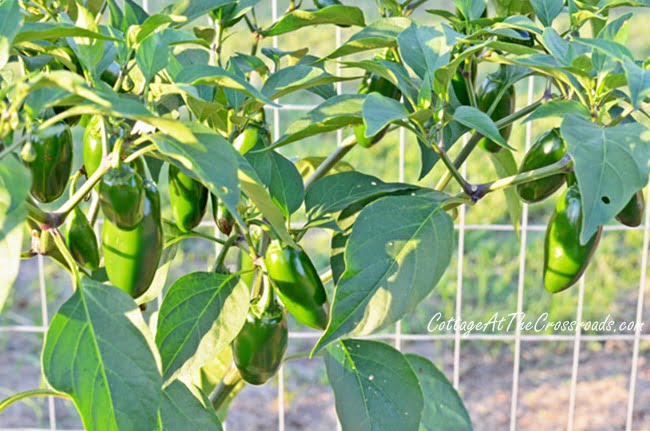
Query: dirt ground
[{"x": 485, "y": 376}]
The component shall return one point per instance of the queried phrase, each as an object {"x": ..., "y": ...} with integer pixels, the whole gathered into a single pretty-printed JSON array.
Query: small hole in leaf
[
  {"x": 605, "y": 200},
  {"x": 224, "y": 189}
]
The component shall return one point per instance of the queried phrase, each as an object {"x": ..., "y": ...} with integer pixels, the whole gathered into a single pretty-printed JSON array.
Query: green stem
[
  {"x": 332, "y": 160},
  {"x": 223, "y": 391},
  {"x": 218, "y": 264},
  {"x": 58, "y": 240},
  {"x": 327, "y": 277},
  {"x": 142, "y": 151},
  {"x": 32, "y": 393},
  {"x": 561, "y": 167},
  {"x": 476, "y": 137},
  {"x": 8, "y": 150}
]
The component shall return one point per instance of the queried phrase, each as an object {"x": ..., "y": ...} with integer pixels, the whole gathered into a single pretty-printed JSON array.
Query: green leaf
[
  {"x": 608, "y": 47},
  {"x": 154, "y": 23},
  {"x": 333, "y": 193},
  {"x": 89, "y": 50},
  {"x": 299, "y": 77},
  {"x": 211, "y": 75},
  {"x": 547, "y": 10},
  {"x": 11, "y": 21},
  {"x": 471, "y": 9},
  {"x": 286, "y": 187},
  {"x": 182, "y": 410},
  {"x": 379, "y": 34},
  {"x": 444, "y": 409},
  {"x": 294, "y": 20},
  {"x": 474, "y": 119},
  {"x": 152, "y": 56},
  {"x": 99, "y": 351},
  {"x": 251, "y": 185},
  {"x": 559, "y": 109},
  {"x": 15, "y": 183},
  {"x": 332, "y": 114},
  {"x": 638, "y": 81},
  {"x": 201, "y": 314},
  {"x": 425, "y": 49},
  {"x": 380, "y": 111},
  {"x": 393, "y": 72},
  {"x": 193, "y": 9},
  {"x": 210, "y": 158},
  {"x": 54, "y": 30},
  {"x": 505, "y": 166},
  {"x": 375, "y": 388},
  {"x": 389, "y": 271},
  {"x": 611, "y": 165}
]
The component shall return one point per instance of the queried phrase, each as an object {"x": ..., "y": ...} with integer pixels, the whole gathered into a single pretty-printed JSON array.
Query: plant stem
[
  {"x": 332, "y": 160},
  {"x": 32, "y": 393},
  {"x": 58, "y": 240},
  {"x": 144, "y": 150},
  {"x": 476, "y": 137},
  {"x": 8, "y": 150},
  {"x": 223, "y": 391},
  {"x": 326, "y": 277},
  {"x": 218, "y": 264},
  {"x": 563, "y": 166}
]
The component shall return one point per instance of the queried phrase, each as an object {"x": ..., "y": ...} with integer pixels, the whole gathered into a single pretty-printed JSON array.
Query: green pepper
[
  {"x": 549, "y": 148},
  {"x": 131, "y": 256},
  {"x": 487, "y": 94},
  {"x": 81, "y": 240},
  {"x": 297, "y": 284},
  {"x": 93, "y": 148},
  {"x": 223, "y": 217},
  {"x": 51, "y": 164},
  {"x": 122, "y": 196},
  {"x": 632, "y": 214},
  {"x": 565, "y": 259},
  {"x": 260, "y": 346},
  {"x": 254, "y": 134},
  {"x": 372, "y": 83},
  {"x": 459, "y": 84},
  {"x": 188, "y": 198}
]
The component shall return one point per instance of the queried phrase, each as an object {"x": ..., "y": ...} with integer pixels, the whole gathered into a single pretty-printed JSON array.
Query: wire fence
[{"x": 397, "y": 337}]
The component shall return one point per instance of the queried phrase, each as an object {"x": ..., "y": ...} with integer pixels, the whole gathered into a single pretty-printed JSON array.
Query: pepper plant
[{"x": 156, "y": 93}]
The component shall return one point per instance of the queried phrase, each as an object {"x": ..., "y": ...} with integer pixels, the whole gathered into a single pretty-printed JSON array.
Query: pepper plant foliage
[{"x": 155, "y": 92}]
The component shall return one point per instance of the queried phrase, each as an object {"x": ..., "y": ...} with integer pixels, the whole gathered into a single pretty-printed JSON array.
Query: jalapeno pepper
[
  {"x": 188, "y": 198},
  {"x": 549, "y": 148},
  {"x": 81, "y": 240},
  {"x": 297, "y": 284},
  {"x": 131, "y": 256},
  {"x": 487, "y": 94},
  {"x": 632, "y": 214},
  {"x": 122, "y": 196},
  {"x": 51, "y": 164},
  {"x": 565, "y": 259}
]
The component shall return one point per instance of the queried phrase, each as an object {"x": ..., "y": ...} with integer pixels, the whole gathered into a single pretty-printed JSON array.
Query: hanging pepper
[
  {"x": 131, "y": 256},
  {"x": 81, "y": 240},
  {"x": 188, "y": 198},
  {"x": 550, "y": 148},
  {"x": 632, "y": 214},
  {"x": 50, "y": 161},
  {"x": 260, "y": 346},
  {"x": 122, "y": 197},
  {"x": 297, "y": 284},
  {"x": 487, "y": 94},
  {"x": 565, "y": 259}
]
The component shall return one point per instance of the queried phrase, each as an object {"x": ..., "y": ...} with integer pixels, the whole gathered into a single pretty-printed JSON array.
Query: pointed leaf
[
  {"x": 193, "y": 9},
  {"x": 294, "y": 20},
  {"x": 389, "y": 271},
  {"x": 182, "y": 410},
  {"x": 299, "y": 77},
  {"x": 11, "y": 21},
  {"x": 152, "y": 56},
  {"x": 333, "y": 114},
  {"x": 547, "y": 10},
  {"x": 379, "y": 34},
  {"x": 474, "y": 119},
  {"x": 611, "y": 165},
  {"x": 375, "y": 387},
  {"x": 380, "y": 111},
  {"x": 200, "y": 315},
  {"x": 99, "y": 351},
  {"x": 444, "y": 409}
]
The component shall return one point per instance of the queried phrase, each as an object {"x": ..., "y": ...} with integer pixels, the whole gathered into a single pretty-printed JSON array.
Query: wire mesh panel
[{"x": 454, "y": 340}]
